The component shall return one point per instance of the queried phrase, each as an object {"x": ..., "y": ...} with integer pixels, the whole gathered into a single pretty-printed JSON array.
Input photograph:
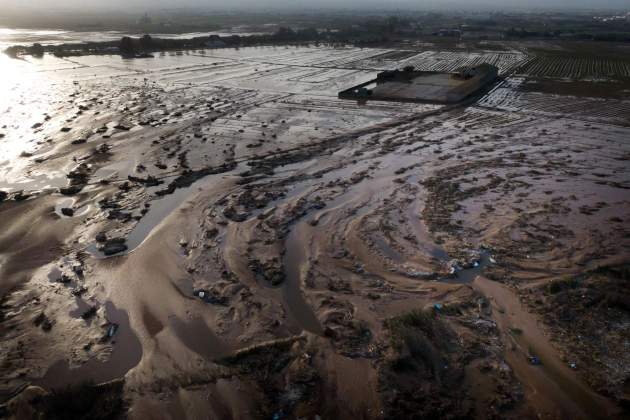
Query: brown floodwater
[{"x": 126, "y": 353}]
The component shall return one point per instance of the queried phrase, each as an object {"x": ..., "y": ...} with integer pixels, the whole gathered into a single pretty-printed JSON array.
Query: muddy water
[
  {"x": 126, "y": 354},
  {"x": 420, "y": 231},
  {"x": 298, "y": 244},
  {"x": 295, "y": 261},
  {"x": 551, "y": 387},
  {"x": 468, "y": 275},
  {"x": 387, "y": 250},
  {"x": 160, "y": 209}
]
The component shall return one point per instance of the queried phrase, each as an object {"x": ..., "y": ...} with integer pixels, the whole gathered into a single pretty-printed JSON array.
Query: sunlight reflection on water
[{"x": 26, "y": 94}]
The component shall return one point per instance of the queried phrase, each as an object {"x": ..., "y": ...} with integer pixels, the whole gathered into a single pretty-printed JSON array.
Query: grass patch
[
  {"x": 420, "y": 339},
  {"x": 558, "y": 286},
  {"x": 425, "y": 321}
]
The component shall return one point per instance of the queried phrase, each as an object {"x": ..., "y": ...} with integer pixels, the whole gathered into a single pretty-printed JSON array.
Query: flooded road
[{"x": 295, "y": 263}]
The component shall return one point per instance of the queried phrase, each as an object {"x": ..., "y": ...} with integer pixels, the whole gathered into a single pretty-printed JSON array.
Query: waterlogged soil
[
  {"x": 602, "y": 88},
  {"x": 242, "y": 244}
]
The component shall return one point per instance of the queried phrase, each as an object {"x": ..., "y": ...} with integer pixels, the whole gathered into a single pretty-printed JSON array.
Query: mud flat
[{"x": 216, "y": 234}]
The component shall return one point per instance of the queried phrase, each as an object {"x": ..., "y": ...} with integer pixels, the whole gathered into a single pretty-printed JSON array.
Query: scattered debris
[
  {"x": 67, "y": 211},
  {"x": 534, "y": 360},
  {"x": 89, "y": 313},
  {"x": 114, "y": 246}
]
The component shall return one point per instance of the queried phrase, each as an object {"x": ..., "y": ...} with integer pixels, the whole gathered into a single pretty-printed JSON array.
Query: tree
[
  {"x": 37, "y": 50},
  {"x": 308, "y": 34},
  {"x": 126, "y": 46},
  {"x": 146, "y": 43},
  {"x": 285, "y": 33},
  {"x": 12, "y": 51}
]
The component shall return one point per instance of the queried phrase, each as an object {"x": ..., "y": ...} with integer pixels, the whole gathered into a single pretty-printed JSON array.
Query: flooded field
[{"x": 221, "y": 231}]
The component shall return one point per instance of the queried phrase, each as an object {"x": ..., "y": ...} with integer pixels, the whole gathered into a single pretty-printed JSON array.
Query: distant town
[
  {"x": 314, "y": 215},
  {"x": 368, "y": 29}
]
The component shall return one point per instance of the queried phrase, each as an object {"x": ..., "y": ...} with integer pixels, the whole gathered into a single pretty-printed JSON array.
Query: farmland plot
[
  {"x": 591, "y": 67},
  {"x": 450, "y": 61},
  {"x": 511, "y": 96}
]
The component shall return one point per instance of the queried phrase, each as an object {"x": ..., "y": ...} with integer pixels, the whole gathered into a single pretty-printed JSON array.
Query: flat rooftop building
[{"x": 409, "y": 85}]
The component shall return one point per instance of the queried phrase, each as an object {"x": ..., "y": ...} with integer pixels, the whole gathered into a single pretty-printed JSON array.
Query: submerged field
[{"x": 220, "y": 231}]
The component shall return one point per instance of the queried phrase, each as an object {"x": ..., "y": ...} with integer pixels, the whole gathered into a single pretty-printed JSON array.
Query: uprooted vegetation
[
  {"x": 283, "y": 370},
  {"x": 425, "y": 373},
  {"x": 592, "y": 312}
]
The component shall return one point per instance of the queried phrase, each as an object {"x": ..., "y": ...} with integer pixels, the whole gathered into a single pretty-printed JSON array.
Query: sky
[{"x": 41, "y": 5}]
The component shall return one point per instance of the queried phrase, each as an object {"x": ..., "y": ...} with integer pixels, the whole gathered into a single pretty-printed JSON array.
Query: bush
[
  {"x": 146, "y": 43},
  {"x": 419, "y": 338},
  {"x": 126, "y": 46},
  {"x": 37, "y": 50},
  {"x": 560, "y": 285}
]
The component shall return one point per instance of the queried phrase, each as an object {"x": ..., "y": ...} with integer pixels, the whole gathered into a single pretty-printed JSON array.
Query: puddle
[
  {"x": 35, "y": 183},
  {"x": 294, "y": 259},
  {"x": 118, "y": 169},
  {"x": 104, "y": 174},
  {"x": 126, "y": 354},
  {"x": 160, "y": 209},
  {"x": 467, "y": 275},
  {"x": 421, "y": 232},
  {"x": 386, "y": 249}
]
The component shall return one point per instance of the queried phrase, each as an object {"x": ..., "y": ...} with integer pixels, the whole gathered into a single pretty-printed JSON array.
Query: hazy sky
[{"x": 43, "y": 5}]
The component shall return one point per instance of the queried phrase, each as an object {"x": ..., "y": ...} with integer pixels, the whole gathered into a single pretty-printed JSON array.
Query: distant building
[
  {"x": 409, "y": 85},
  {"x": 475, "y": 79},
  {"x": 482, "y": 69}
]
